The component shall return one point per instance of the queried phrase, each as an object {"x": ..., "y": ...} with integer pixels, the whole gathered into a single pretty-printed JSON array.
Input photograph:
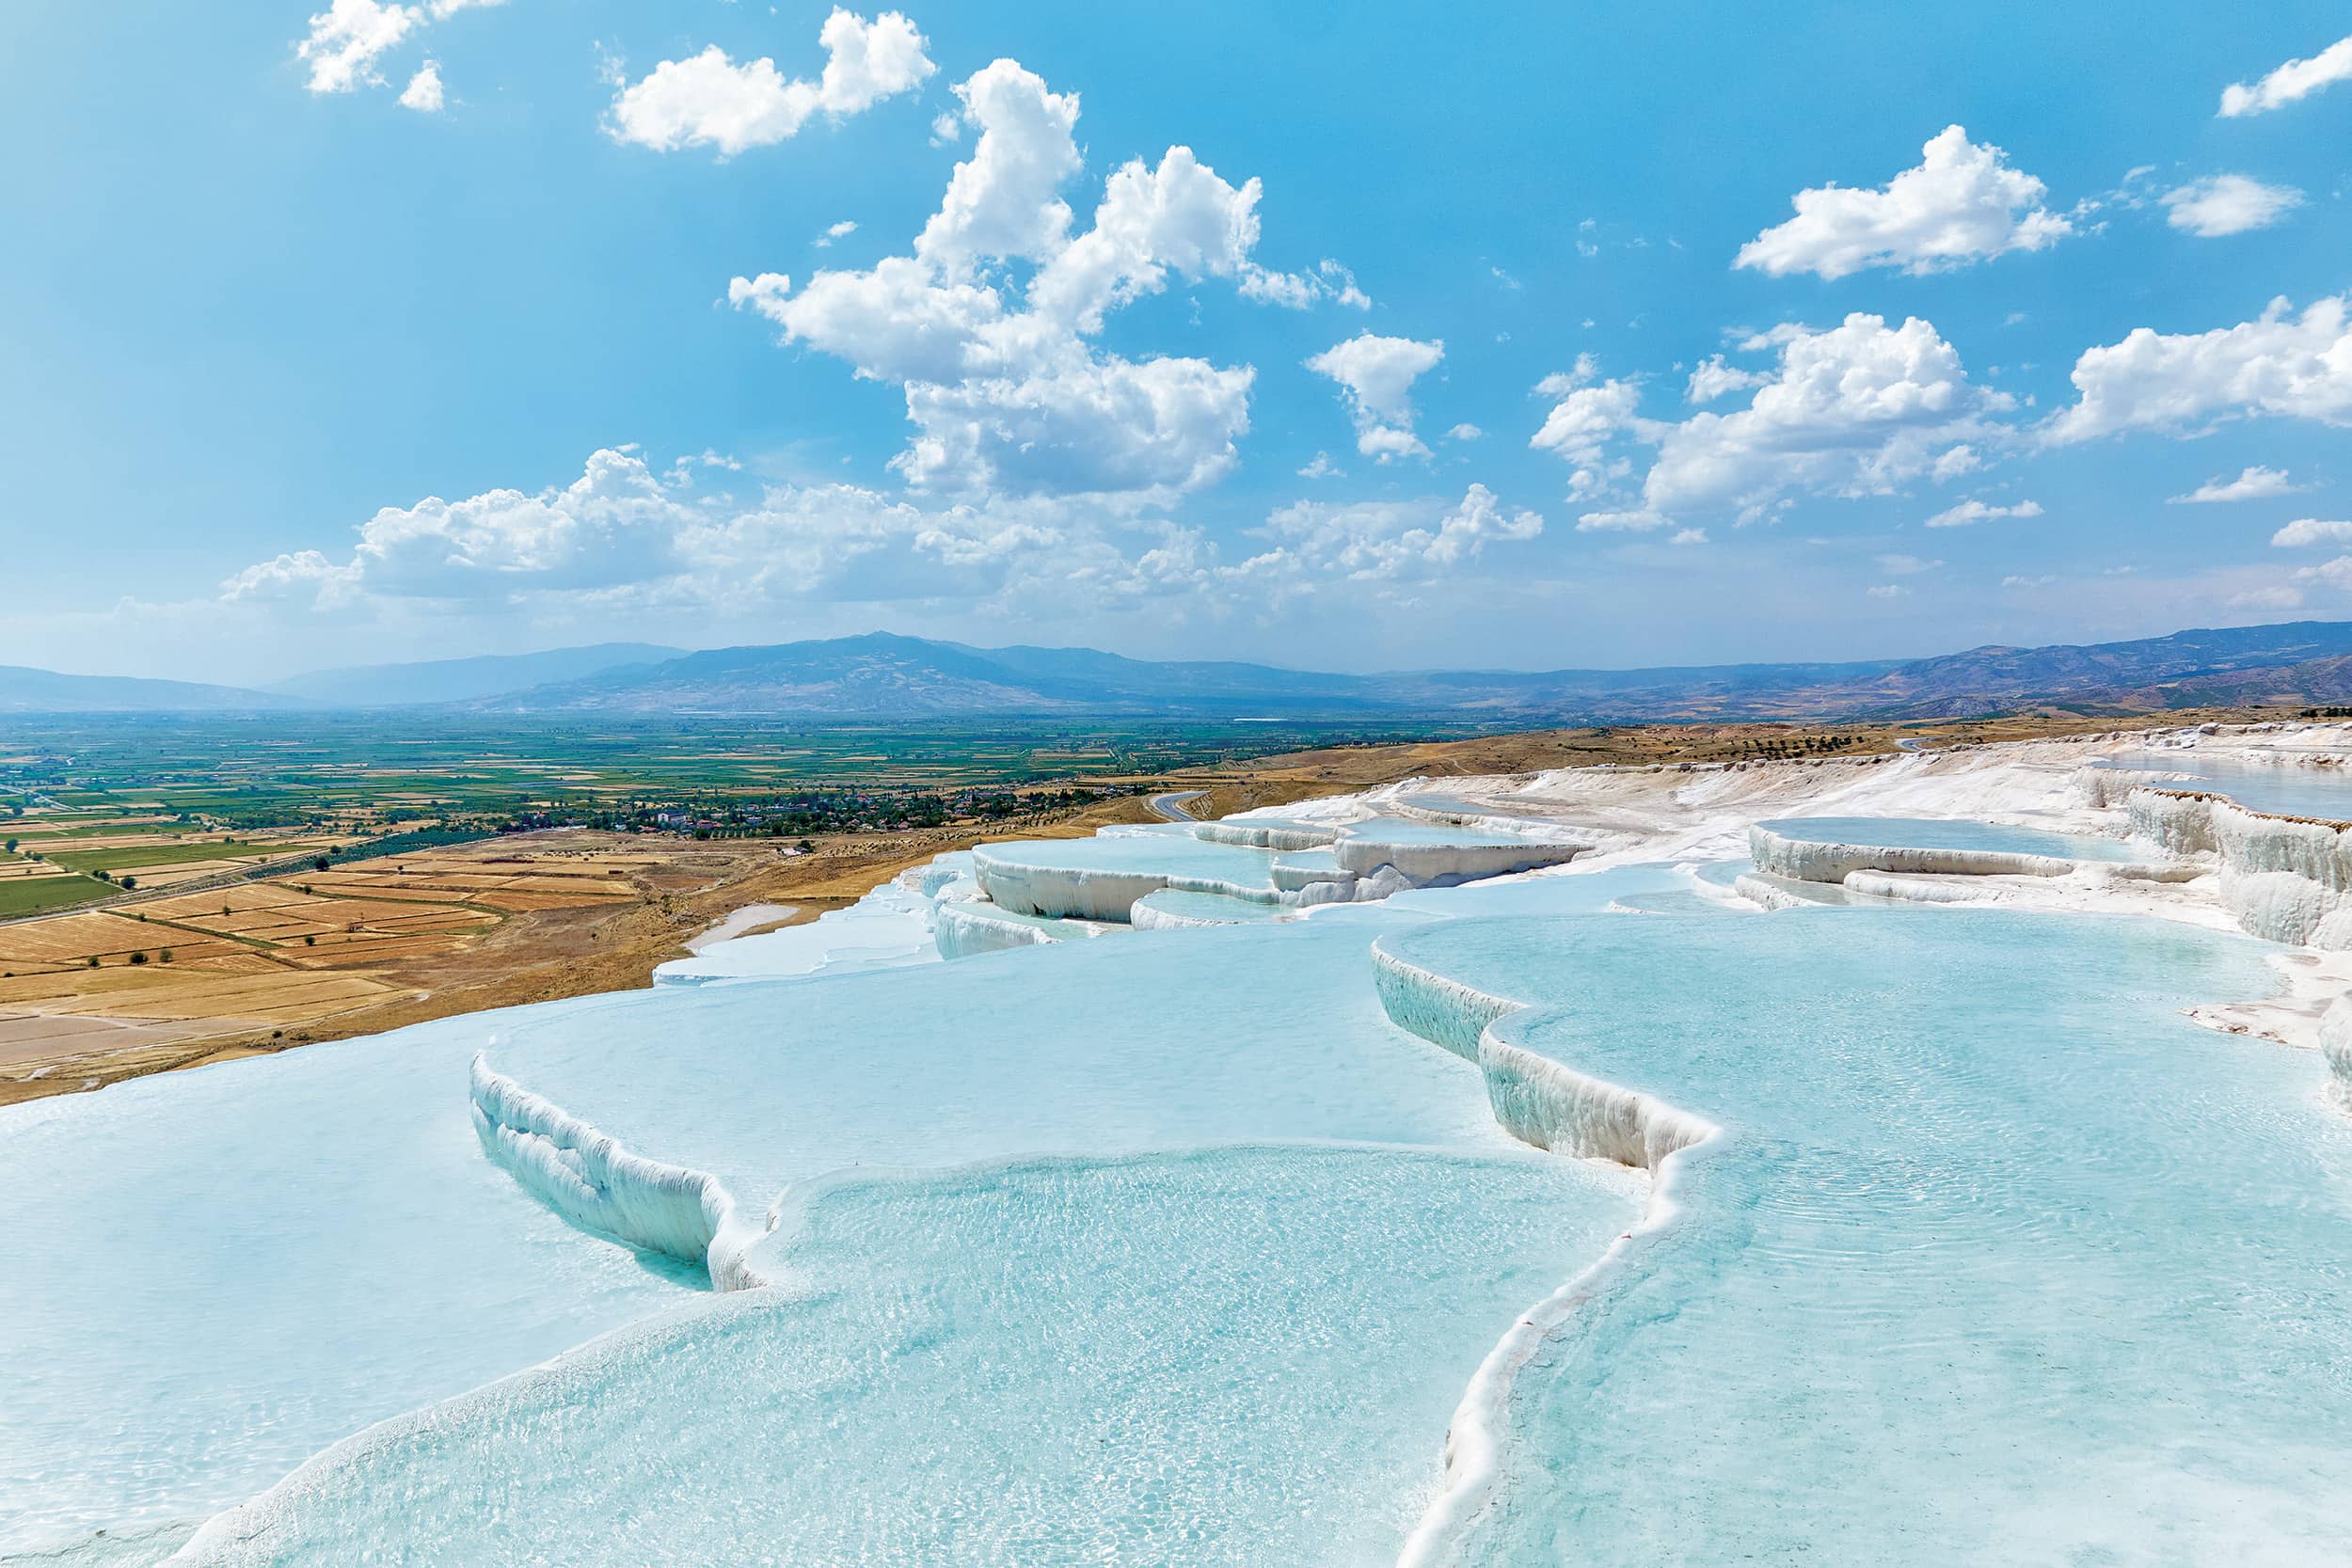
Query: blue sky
[{"x": 317, "y": 355}]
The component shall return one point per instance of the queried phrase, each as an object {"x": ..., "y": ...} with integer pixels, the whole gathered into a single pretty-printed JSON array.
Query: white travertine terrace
[
  {"x": 1265, "y": 835},
  {"x": 592, "y": 1179},
  {"x": 962, "y": 928},
  {"x": 2335, "y": 1042},
  {"x": 1087, "y": 893},
  {"x": 1536, "y": 1099},
  {"x": 1811, "y": 860},
  {"x": 1364, "y": 851},
  {"x": 1356, "y": 862}
]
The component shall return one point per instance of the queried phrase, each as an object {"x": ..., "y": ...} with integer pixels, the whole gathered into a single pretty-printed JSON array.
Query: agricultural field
[
  {"x": 155, "y": 853},
  {"x": 256, "y": 959},
  {"x": 359, "y": 772},
  {"x": 28, "y": 887},
  {"x": 56, "y": 855}
]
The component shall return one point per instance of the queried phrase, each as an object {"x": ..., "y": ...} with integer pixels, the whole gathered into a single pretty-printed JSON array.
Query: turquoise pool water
[
  {"x": 1216, "y": 907},
  {"x": 1238, "y": 1357},
  {"x": 1998, "y": 1259},
  {"x": 1553, "y": 893},
  {"x": 1401, "y": 830},
  {"x": 2288, "y": 789},
  {"x": 1125, "y": 1043},
  {"x": 1907, "y": 832},
  {"x": 1177, "y": 854},
  {"x": 207, "y": 1276},
  {"x": 1441, "y": 801}
]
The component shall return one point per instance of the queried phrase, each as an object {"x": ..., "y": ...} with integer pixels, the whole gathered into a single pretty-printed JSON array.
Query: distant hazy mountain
[
  {"x": 2188, "y": 669},
  {"x": 883, "y": 677},
  {"x": 2324, "y": 681},
  {"x": 886, "y": 677},
  {"x": 459, "y": 680},
  {"x": 28, "y": 690}
]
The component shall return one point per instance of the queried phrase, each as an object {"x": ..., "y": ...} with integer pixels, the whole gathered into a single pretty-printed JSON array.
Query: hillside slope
[{"x": 458, "y": 680}]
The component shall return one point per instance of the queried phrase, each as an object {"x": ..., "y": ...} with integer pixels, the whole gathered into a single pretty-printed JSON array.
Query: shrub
[
  {"x": 165, "y": 955},
  {"x": 139, "y": 957}
]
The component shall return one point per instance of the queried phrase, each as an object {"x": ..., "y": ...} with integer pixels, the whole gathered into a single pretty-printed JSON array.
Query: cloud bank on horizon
[{"x": 1070, "y": 353}]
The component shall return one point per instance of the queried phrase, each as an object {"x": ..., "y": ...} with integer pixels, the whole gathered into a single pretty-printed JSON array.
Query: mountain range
[
  {"x": 458, "y": 680},
  {"x": 880, "y": 676}
]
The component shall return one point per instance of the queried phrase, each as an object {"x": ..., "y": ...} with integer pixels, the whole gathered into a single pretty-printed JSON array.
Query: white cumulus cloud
[
  {"x": 2254, "y": 483},
  {"x": 2281, "y": 363},
  {"x": 1858, "y": 409},
  {"x": 1580, "y": 426},
  {"x": 1631, "y": 520},
  {"x": 629, "y": 539},
  {"x": 1963, "y": 203},
  {"x": 622, "y": 536},
  {"x": 2290, "y": 83},
  {"x": 1981, "y": 512},
  {"x": 1388, "y": 540},
  {"x": 708, "y": 100},
  {"x": 1376, "y": 375},
  {"x": 616, "y": 524},
  {"x": 1961, "y": 459},
  {"x": 2227, "y": 204},
  {"x": 1003, "y": 384},
  {"x": 2336, "y": 574},
  {"x": 2312, "y": 530},
  {"x": 423, "y": 92},
  {"x": 1715, "y": 379},
  {"x": 348, "y": 38}
]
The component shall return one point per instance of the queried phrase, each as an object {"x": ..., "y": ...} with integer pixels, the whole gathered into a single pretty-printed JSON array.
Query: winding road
[{"x": 1170, "y": 807}]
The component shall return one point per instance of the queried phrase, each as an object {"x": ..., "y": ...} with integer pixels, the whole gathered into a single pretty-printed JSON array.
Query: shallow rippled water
[
  {"x": 1239, "y": 1356},
  {"x": 2286, "y": 787},
  {"x": 1139, "y": 1040},
  {"x": 1171, "y": 851},
  {"x": 1999, "y": 1259},
  {"x": 208, "y": 1276},
  {"x": 1937, "y": 832}
]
